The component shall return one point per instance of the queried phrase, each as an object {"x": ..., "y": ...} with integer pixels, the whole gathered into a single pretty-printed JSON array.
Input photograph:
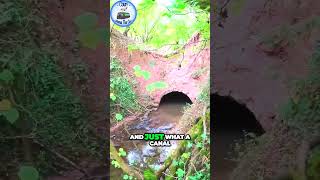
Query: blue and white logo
[{"x": 123, "y": 13}]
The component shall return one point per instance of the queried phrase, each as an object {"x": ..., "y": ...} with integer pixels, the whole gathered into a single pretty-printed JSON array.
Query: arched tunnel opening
[
  {"x": 173, "y": 104},
  {"x": 230, "y": 120},
  {"x": 175, "y": 97}
]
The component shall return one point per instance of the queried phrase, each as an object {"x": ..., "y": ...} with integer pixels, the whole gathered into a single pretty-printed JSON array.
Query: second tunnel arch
[{"x": 230, "y": 121}]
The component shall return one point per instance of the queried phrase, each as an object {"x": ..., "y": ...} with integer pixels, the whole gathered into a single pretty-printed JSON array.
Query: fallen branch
[
  {"x": 29, "y": 136},
  {"x": 195, "y": 131},
  {"x": 62, "y": 157}
]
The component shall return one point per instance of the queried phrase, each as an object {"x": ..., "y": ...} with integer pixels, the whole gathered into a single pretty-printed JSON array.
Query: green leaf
[
  {"x": 119, "y": 117},
  {"x": 189, "y": 144},
  {"x": 180, "y": 173},
  {"x": 112, "y": 97},
  {"x": 122, "y": 152},
  {"x": 207, "y": 165},
  {"x": 141, "y": 73},
  {"x": 204, "y": 136},
  {"x": 12, "y": 115},
  {"x": 28, "y": 173},
  {"x": 125, "y": 177},
  {"x": 168, "y": 14},
  {"x": 156, "y": 85},
  {"x": 6, "y": 76},
  {"x": 181, "y": 162},
  {"x": 86, "y": 21},
  {"x": 149, "y": 175},
  {"x": 136, "y": 68},
  {"x": 199, "y": 145},
  {"x": 90, "y": 38},
  {"x": 180, "y": 5},
  {"x": 146, "y": 75},
  {"x": 132, "y": 47},
  {"x": 138, "y": 73},
  {"x": 186, "y": 155},
  {"x": 115, "y": 164},
  {"x": 175, "y": 163},
  {"x": 5, "y": 105}
]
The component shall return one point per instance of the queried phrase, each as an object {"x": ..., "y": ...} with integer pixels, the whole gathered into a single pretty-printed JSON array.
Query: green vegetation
[
  {"x": 28, "y": 173},
  {"x": 303, "y": 109},
  {"x": 288, "y": 34},
  {"x": 313, "y": 164},
  {"x": 300, "y": 122},
  {"x": 124, "y": 100},
  {"x": 191, "y": 159},
  {"x": 39, "y": 112},
  {"x": 205, "y": 94},
  {"x": 141, "y": 73},
  {"x": 168, "y": 24},
  {"x": 165, "y": 27},
  {"x": 156, "y": 85}
]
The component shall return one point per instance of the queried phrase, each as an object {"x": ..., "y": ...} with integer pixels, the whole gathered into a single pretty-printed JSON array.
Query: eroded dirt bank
[
  {"x": 186, "y": 72},
  {"x": 260, "y": 52},
  {"x": 86, "y": 72},
  {"x": 251, "y": 71}
]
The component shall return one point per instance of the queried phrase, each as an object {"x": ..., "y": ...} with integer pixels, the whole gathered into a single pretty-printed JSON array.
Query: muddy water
[
  {"x": 223, "y": 163},
  {"x": 139, "y": 154}
]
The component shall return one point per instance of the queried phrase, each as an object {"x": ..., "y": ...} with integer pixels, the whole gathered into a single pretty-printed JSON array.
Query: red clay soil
[
  {"x": 251, "y": 73},
  {"x": 187, "y": 72}
]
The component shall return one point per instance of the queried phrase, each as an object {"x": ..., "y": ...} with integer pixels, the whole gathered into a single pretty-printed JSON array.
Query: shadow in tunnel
[
  {"x": 175, "y": 97},
  {"x": 230, "y": 121},
  {"x": 173, "y": 103}
]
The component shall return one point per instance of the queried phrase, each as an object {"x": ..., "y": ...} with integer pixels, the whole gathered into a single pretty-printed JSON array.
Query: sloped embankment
[{"x": 187, "y": 72}]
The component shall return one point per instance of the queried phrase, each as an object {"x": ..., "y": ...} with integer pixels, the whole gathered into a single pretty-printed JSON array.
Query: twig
[
  {"x": 126, "y": 129},
  {"x": 124, "y": 108},
  {"x": 168, "y": 175},
  {"x": 190, "y": 12},
  {"x": 204, "y": 46},
  {"x": 62, "y": 158},
  {"x": 29, "y": 136},
  {"x": 225, "y": 4}
]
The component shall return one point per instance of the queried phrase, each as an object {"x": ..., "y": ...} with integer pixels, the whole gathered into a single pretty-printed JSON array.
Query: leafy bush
[
  {"x": 205, "y": 94},
  {"x": 159, "y": 25},
  {"x": 288, "y": 34},
  {"x": 35, "y": 101},
  {"x": 123, "y": 98},
  {"x": 313, "y": 165},
  {"x": 303, "y": 109}
]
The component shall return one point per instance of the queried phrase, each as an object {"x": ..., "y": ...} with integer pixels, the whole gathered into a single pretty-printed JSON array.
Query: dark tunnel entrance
[
  {"x": 175, "y": 97},
  {"x": 230, "y": 121},
  {"x": 173, "y": 103}
]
